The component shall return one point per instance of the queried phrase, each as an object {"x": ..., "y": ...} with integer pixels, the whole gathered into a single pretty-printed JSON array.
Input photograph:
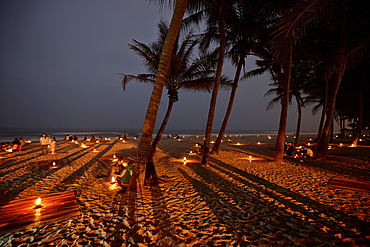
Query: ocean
[{"x": 34, "y": 134}]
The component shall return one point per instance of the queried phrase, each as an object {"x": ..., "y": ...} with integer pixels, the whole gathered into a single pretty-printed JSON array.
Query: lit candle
[
  {"x": 258, "y": 143},
  {"x": 114, "y": 156},
  {"x": 54, "y": 164},
  {"x": 113, "y": 180},
  {"x": 38, "y": 203},
  {"x": 184, "y": 161},
  {"x": 238, "y": 144},
  {"x": 340, "y": 144}
]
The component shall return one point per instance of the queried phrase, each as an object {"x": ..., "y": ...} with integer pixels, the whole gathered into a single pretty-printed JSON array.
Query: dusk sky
[{"x": 60, "y": 63}]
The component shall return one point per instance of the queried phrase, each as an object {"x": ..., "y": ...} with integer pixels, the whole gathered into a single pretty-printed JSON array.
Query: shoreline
[{"x": 230, "y": 201}]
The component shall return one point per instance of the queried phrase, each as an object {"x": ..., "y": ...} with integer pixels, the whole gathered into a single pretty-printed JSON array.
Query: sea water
[{"x": 34, "y": 134}]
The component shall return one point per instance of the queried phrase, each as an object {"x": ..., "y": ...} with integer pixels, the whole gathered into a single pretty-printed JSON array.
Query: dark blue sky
[{"x": 60, "y": 63}]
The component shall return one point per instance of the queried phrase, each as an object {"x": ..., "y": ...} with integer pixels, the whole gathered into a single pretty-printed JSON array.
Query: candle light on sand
[
  {"x": 38, "y": 203},
  {"x": 54, "y": 164},
  {"x": 250, "y": 158},
  {"x": 341, "y": 144},
  {"x": 258, "y": 143},
  {"x": 113, "y": 180},
  {"x": 114, "y": 156},
  {"x": 238, "y": 144},
  {"x": 269, "y": 137},
  {"x": 184, "y": 160}
]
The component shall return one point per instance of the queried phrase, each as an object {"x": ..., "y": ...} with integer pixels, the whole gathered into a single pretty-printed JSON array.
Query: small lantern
[
  {"x": 258, "y": 143},
  {"x": 38, "y": 203},
  {"x": 113, "y": 180}
]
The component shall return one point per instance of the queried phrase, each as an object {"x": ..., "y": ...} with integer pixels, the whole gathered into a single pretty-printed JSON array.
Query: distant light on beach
[
  {"x": 269, "y": 137},
  {"x": 341, "y": 144},
  {"x": 238, "y": 144},
  {"x": 352, "y": 145},
  {"x": 329, "y": 147},
  {"x": 258, "y": 143},
  {"x": 54, "y": 164},
  {"x": 212, "y": 142},
  {"x": 113, "y": 180},
  {"x": 179, "y": 140}
]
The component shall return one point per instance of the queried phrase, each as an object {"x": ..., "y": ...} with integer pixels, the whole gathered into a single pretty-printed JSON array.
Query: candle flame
[{"x": 38, "y": 201}]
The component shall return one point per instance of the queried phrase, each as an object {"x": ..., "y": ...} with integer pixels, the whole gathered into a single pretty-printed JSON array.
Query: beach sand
[{"x": 233, "y": 201}]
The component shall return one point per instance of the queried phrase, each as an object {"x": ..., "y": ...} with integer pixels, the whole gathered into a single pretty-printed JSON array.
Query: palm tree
[
  {"x": 350, "y": 23},
  {"x": 152, "y": 110},
  {"x": 214, "y": 12},
  {"x": 185, "y": 72},
  {"x": 245, "y": 24}
]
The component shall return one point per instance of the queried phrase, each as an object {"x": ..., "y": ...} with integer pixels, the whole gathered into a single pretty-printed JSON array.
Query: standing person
[
  {"x": 53, "y": 145},
  {"x": 44, "y": 142}
]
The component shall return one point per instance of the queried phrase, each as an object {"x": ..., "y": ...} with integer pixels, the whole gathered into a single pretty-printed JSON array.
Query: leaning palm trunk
[
  {"x": 322, "y": 148},
  {"x": 323, "y": 113},
  {"x": 151, "y": 114},
  {"x": 357, "y": 133},
  {"x": 158, "y": 137},
  {"x": 212, "y": 106},
  {"x": 221, "y": 133},
  {"x": 279, "y": 154},
  {"x": 298, "y": 129}
]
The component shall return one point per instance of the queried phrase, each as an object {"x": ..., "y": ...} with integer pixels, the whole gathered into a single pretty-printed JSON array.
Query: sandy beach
[{"x": 240, "y": 199}]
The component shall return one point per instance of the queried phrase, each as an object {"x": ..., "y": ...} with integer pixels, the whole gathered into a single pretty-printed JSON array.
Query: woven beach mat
[
  {"x": 19, "y": 214},
  {"x": 349, "y": 184}
]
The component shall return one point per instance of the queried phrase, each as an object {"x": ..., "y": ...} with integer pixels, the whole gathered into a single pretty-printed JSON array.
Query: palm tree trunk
[
  {"x": 158, "y": 137},
  {"x": 279, "y": 154},
  {"x": 323, "y": 112},
  {"x": 299, "y": 120},
  {"x": 212, "y": 106},
  {"x": 221, "y": 133},
  {"x": 357, "y": 133},
  {"x": 151, "y": 114},
  {"x": 322, "y": 148}
]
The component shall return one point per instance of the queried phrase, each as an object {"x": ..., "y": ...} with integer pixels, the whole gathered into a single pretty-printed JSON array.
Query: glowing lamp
[
  {"x": 352, "y": 145},
  {"x": 258, "y": 143},
  {"x": 113, "y": 180},
  {"x": 179, "y": 140},
  {"x": 329, "y": 147},
  {"x": 238, "y": 144},
  {"x": 212, "y": 142},
  {"x": 191, "y": 152},
  {"x": 184, "y": 160},
  {"x": 114, "y": 156},
  {"x": 258, "y": 135},
  {"x": 340, "y": 144},
  {"x": 38, "y": 203},
  {"x": 54, "y": 164}
]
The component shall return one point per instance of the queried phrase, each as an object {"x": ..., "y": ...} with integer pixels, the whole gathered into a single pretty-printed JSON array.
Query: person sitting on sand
[
  {"x": 92, "y": 139},
  {"x": 53, "y": 145},
  {"x": 290, "y": 149},
  {"x": 306, "y": 151}
]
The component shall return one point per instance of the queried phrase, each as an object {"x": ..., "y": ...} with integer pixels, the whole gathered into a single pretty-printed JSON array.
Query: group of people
[
  {"x": 301, "y": 152},
  {"x": 46, "y": 142},
  {"x": 16, "y": 145}
]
